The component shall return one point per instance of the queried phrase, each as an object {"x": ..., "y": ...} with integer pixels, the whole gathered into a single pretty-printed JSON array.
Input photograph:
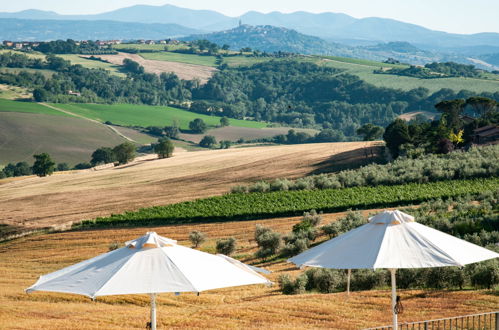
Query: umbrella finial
[
  {"x": 150, "y": 240},
  {"x": 395, "y": 217}
]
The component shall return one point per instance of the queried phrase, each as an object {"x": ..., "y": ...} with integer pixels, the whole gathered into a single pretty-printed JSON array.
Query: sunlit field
[{"x": 23, "y": 260}]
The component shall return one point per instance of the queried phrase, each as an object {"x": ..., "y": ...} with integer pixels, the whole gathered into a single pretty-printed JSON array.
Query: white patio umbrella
[
  {"x": 392, "y": 240},
  {"x": 151, "y": 264}
]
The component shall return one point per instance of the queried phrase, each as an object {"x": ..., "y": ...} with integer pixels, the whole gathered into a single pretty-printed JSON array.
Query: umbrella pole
[
  {"x": 349, "y": 274},
  {"x": 394, "y": 298},
  {"x": 153, "y": 311}
]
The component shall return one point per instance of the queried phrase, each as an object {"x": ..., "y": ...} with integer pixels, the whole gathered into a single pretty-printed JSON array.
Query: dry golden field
[
  {"x": 32, "y": 202},
  {"x": 182, "y": 70},
  {"x": 23, "y": 260}
]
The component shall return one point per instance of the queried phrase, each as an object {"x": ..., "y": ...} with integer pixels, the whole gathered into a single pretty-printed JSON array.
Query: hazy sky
[{"x": 457, "y": 16}]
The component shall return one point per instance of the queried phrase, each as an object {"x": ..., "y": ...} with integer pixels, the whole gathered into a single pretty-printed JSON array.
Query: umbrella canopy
[
  {"x": 150, "y": 264},
  {"x": 392, "y": 240}
]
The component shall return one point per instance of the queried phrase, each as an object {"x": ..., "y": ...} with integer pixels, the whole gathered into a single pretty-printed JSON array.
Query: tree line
[
  {"x": 290, "y": 92},
  {"x": 453, "y": 130}
]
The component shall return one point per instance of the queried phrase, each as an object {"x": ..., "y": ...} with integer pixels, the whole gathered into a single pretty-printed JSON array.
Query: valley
[{"x": 256, "y": 135}]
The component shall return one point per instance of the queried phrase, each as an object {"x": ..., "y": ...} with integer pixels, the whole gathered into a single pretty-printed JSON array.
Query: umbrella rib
[
  {"x": 436, "y": 247},
  {"x": 174, "y": 264},
  {"x": 111, "y": 277}
]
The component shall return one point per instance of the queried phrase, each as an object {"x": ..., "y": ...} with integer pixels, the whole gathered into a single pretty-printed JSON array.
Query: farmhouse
[
  {"x": 486, "y": 135},
  {"x": 70, "y": 92}
]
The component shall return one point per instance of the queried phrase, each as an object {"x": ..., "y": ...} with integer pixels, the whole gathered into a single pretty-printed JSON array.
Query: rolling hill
[
  {"x": 271, "y": 39},
  {"x": 186, "y": 176},
  {"x": 66, "y": 139},
  {"x": 331, "y": 26}
]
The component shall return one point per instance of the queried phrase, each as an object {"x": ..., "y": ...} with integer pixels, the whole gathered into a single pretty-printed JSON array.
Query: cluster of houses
[
  {"x": 20, "y": 44},
  {"x": 28, "y": 45}
]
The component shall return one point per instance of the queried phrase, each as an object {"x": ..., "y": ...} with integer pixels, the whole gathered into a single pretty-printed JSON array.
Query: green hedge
[{"x": 289, "y": 203}]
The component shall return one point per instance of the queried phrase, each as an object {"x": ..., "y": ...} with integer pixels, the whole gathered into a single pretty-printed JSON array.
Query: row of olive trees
[
  {"x": 473, "y": 218},
  {"x": 476, "y": 162}
]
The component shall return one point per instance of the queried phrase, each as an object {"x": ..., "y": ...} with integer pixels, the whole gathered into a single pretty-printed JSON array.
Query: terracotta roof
[{"x": 484, "y": 128}]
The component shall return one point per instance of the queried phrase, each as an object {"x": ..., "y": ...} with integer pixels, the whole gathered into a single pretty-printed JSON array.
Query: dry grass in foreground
[
  {"x": 33, "y": 202},
  {"x": 23, "y": 260}
]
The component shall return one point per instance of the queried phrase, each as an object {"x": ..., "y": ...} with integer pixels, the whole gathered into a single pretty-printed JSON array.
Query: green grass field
[
  {"x": 46, "y": 73},
  {"x": 28, "y": 107},
  {"x": 359, "y": 67},
  {"x": 181, "y": 58},
  {"x": 364, "y": 70},
  {"x": 11, "y": 92},
  {"x": 32, "y": 54},
  {"x": 92, "y": 64},
  {"x": 143, "y": 115},
  {"x": 361, "y": 61},
  {"x": 65, "y": 139},
  {"x": 244, "y": 60}
]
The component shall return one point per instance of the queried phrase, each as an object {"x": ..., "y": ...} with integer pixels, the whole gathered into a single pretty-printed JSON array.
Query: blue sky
[{"x": 457, "y": 16}]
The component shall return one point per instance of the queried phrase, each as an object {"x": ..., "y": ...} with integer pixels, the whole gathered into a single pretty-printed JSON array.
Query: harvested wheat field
[
  {"x": 23, "y": 260},
  {"x": 33, "y": 202},
  {"x": 182, "y": 70}
]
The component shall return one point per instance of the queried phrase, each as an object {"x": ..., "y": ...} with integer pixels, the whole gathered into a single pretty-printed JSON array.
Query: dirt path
[
  {"x": 40, "y": 202},
  {"x": 182, "y": 70},
  {"x": 92, "y": 120}
]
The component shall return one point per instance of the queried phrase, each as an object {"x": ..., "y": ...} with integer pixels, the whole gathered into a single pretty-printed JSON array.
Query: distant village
[{"x": 30, "y": 45}]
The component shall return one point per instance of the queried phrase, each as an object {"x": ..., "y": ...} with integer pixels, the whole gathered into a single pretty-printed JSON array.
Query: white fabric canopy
[
  {"x": 140, "y": 267},
  {"x": 392, "y": 239},
  {"x": 150, "y": 264}
]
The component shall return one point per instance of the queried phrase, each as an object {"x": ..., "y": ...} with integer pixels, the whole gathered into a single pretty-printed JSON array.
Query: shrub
[
  {"x": 410, "y": 278},
  {"x": 325, "y": 280},
  {"x": 486, "y": 274},
  {"x": 280, "y": 185},
  {"x": 197, "y": 238},
  {"x": 198, "y": 126},
  {"x": 267, "y": 240},
  {"x": 124, "y": 152},
  {"x": 239, "y": 189},
  {"x": 164, "y": 148},
  {"x": 114, "y": 246},
  {"x": 82, "y": 166},
  {"x": 226, "y": 246},
  {"x": 62, "y": 167},
  {"x": 208, "y": 141},
  {"x": 306, "y": 227},
  {"x": 332, "y": 229},
  {"x": 288, "y": 286},
  {"x": 351, "y": 221},
  {"x": 367, "y": 279},
  {"x": 225, "y": 144},
  {"x": 260, "y": 186},
  {"x": 102, "y": 156},
  {"x": 295, "y": 243}
]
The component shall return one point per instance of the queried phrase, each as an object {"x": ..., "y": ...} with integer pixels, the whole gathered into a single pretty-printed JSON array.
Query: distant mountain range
[
  {"x": 330, "y": 26},
  {"x": 269, "y": 38},
  {"x": 326, "y": 33},
  {"x": 44, "y": 30}
]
